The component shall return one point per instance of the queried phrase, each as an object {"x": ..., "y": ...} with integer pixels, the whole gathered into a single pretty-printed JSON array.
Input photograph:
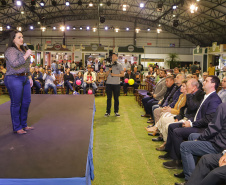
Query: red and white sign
[
  {"x": 57, "y": 46},
  {"x": 149, "y": 44},
  {"x": 48, "y": 42}
]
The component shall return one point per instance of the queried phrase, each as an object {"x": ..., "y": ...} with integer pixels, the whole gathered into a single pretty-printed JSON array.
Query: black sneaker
[
  {"x": 106, "y": 114},
  {"x": 165, "y": 157},
  {"x": 117, "y": 114}
]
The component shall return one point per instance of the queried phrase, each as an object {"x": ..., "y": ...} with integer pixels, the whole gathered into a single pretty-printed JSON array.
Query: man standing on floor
[{"x": 113, "y": 75}]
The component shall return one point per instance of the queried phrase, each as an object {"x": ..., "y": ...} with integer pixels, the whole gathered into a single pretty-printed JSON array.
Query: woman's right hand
[{"x": 28, "y": 53}]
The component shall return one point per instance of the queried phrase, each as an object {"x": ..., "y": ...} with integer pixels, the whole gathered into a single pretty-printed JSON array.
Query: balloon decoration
[
  {"x": 90, "y": 91},
  {"x": 126, "y": 80},
  {"x": 131, "y": 81},
  {"x": 78, "y": 82}
]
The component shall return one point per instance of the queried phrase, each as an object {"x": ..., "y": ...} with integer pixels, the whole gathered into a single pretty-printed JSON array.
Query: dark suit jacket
[
  {"x": 206, "y": 111},
  {"x": 216, "y": 131},
  {"x": 132, "y": 76},
  {"x": 193, "y": 102}
]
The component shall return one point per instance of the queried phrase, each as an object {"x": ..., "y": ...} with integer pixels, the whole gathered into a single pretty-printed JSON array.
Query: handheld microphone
[{"x": 26, "y": 47}]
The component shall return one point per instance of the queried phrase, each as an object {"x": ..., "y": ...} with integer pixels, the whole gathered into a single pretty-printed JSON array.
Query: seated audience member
[
  {"x": 189, "y": 76},
  {"x": 101, "y": 77},
  {"x": 150, "y": 73},
  {"x": 68, "y": 80},
  {"x": 199, "y": 75},
  {"x": 32, "y": 70},
  {"x": 204, "y": 76},
  {"x": 2, "y": 75},
  {"x": 129, "y": 75},
  {"x": 49, "y": 81},
  {"x": 79, "y": 77},
  {"x": 210, "y": 170},
  {"x": 73, "y": 66},
  {"x": 176, "y": 71},
  {"x": 157, "y": 75},
  {"x": 211, "y": 141},
  {"x": 54, "y": 67},
  {"x": 168, "y": 97},
  {"x": 126, "y": 65},
  {"x": 94, "y": 72},
  {"x": 96, "y": 66},
  {"x": 178, "y": 132},
  {"x": 89, "y": 80},
  {"x": 172, "y": 99},
  {"x": 2, "y": 69},
  {"x": 137, "y": 75},
  {"x": 168, "y": 117},
  {"x": 196, "y": 76},
  {"x": 222, "y": 92},
  {"x": 37, "y": 80},
  {"x": 157, "y": 94}
]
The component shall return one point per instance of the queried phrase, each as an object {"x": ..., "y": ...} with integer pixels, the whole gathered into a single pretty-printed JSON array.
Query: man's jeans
[{"x": 47, "y": 86}]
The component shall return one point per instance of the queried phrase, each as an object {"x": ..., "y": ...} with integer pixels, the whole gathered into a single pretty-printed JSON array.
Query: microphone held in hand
[{"x": 26, "y": 47}]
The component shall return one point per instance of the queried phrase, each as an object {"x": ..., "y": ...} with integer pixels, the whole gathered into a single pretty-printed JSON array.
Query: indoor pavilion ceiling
[{"x": 203, "y": 27}]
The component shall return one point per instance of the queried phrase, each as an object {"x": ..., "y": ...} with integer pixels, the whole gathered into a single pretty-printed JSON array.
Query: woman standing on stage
[{"x": 18, "y": 81}]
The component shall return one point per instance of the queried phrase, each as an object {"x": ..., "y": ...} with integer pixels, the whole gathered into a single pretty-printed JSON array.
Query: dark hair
[
  {"x": 216, "y": 80},
  {"x": 163, "y": 70},
  {"x": 12, "y": 36},
  {"x": 196, "y": 74},
  {"x": 195, "y": 62},
  {"x": 170, "y": 77}
]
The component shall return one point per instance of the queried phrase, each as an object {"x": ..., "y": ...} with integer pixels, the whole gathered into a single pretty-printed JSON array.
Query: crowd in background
[{"x": 184, "y": 109}]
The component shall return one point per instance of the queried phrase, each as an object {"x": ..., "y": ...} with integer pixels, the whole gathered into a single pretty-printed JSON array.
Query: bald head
[{"x": 179, "y": 78}]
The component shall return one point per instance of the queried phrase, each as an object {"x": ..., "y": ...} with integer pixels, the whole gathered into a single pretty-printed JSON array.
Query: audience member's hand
[
  {"x": 31, "y": 82},
  {"x": 112, "y": 74},
  {"x": 154, "y": 95},
  {"x": 222, "y": 161},
  {"x": 176, "y": 120},
  {"x": 186, "y": 124},
  {"x": 71, "y": 82},
  {"x": 110, "y": 69}
]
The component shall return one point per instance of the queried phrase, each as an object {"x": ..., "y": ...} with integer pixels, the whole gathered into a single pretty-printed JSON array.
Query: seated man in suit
[
  {"x": 178, "y": 132},
  {"x": 211, "y": 141},
  {"x": 129, "y": 75},
  {"x": 158, "y": 94}
]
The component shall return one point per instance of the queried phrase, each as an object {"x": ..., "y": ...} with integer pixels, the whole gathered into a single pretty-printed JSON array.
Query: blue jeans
[
  {"x": 47, "y": 86},
  {"x": 68, "y": 86},
  {"x": 37, "y": 86},
  {"x": 20, "y": 94},
  {"x": 191, "y": 149}
]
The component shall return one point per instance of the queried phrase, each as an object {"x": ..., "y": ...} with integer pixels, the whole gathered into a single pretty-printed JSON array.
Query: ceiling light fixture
[
  {"x": 43, "y": 28},
  {"x": 18, "y": 3},
  {"x": 62, "y": 28},
  {"x": 193, "y": 8},
  {"x": 67, "y": 3},
  {"x": 42, "y": 3},
  {"x": 90, "y": 4},
  {"x": 106, "y": 28},
  {"x": 31, "y": 27},
  {"x": 141, "y": 5}
]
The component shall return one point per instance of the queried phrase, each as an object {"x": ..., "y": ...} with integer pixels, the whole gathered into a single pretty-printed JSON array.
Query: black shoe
[
  {"x": 106, "y": 114},
  {"x": 165, "y": 157},
  {"x": 157, "y": 139},
  {"x": 174, "y": 164},
  {"x": 182, "y": 183},
  {"x": 151, "y": 134},
  {"x": 179, "y": 175}
]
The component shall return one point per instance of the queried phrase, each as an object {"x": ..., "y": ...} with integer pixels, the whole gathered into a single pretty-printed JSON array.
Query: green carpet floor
[{"x": 123, "y": 152}]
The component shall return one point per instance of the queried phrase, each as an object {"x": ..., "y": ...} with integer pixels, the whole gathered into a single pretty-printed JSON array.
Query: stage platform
[{"x": 58, "y": 151}]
